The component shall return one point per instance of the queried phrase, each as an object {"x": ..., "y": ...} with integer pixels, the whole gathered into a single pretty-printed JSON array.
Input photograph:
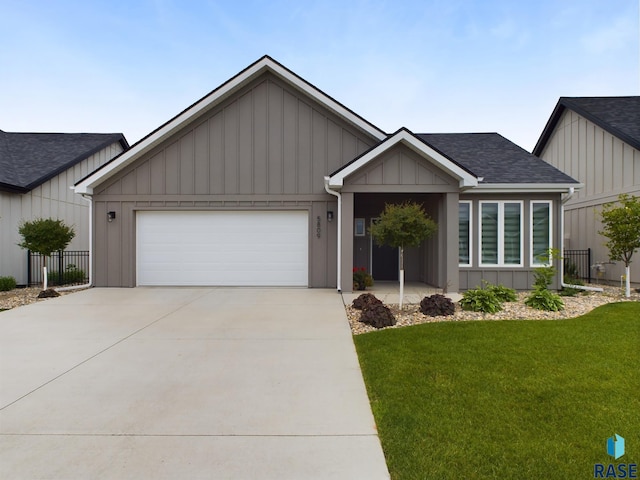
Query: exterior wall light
[
  {"x": 111, "y": 216},
  {"x": 329, "y": 216}
]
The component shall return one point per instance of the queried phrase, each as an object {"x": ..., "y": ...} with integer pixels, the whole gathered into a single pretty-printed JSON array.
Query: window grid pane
[
  {"x": 512, "y": 233},
  {"x": 541, "y": 231},
  {"x": 464, "y": 233},
  {"x": 489, "y": 233}
]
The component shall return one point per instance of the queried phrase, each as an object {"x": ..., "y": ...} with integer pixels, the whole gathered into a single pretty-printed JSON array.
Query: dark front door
[{"x": 384, "y": 263}]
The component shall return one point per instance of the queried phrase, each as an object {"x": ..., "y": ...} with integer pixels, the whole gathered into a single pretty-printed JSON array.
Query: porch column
[
  {"x": 451, "y": 271},
  {"x": 347, "y": 242}
]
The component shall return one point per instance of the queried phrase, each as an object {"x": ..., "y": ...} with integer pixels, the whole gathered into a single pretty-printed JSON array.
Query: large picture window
[
  {"x": 464, "y": 234},
  {"x": 541, "y": 233},
  {"x": 501, "y": 233}
]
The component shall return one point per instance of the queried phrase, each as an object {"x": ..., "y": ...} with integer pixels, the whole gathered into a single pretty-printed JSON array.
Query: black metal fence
[
  {"x": 577, "y": 265},
  {"x": 63, "y": 268}
]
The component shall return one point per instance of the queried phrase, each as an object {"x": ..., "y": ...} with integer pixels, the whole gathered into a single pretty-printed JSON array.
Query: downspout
[
  {"x": 339, "y": 242},
  {"x": 90, "y": 284},
  {"x": 562, "y": 284}
]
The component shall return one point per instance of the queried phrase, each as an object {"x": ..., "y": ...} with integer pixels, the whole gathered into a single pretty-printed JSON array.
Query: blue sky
[{"x": 429, "y": 65}]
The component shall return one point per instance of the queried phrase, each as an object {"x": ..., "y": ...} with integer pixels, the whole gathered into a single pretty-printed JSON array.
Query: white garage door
[{"x": 261, "y": 248}]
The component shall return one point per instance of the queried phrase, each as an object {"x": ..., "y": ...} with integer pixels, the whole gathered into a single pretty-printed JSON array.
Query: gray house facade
[
  {"x": 269, "y": 181},
  {"x": 597, "y": 141},
  {"x": 36, "y": 173}
]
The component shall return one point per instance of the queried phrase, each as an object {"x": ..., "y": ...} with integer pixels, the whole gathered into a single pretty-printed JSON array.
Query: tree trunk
[
  {"x": 401, "y": 277},
  {"x": 44, "y": 273},
  {"x": 627, "y": 287}
]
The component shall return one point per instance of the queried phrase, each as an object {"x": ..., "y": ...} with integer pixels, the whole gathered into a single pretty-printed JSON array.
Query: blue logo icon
[{"x": 615, "y": 446}]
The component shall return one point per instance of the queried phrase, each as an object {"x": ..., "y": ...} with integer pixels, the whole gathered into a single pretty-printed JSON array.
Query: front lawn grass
[{"x": 506, "y": 399}]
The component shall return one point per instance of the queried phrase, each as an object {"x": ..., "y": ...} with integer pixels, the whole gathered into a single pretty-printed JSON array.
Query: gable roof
[
  {"x": 403, "y": 136},
  {"x": 27, "y": 160},
  {"x": 210, "y": 101},
  {"x": 620, "y": 116},
  {"x": 496, "y": 160}
]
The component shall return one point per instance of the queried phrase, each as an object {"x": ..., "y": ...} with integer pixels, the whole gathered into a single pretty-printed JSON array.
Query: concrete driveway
[{"x": 184, "y": 383}]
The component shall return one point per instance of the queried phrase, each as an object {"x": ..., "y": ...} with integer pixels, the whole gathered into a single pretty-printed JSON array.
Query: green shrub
[
  {"x": 503, "y": 293},
  {"x": 437, "y": 305},
  {"x": 543, "y": 299},
  {"x": 570, "y": 292},
  {"x": 481, "y": 300},
  {"x": 7, "y": 283},
  {"x": 571, "y": 273},
  {"x": 71, "y": 275}
]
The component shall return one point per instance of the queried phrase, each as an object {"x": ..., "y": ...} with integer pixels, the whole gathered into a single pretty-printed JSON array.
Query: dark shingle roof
[
  {"x": 30, "y": 159},
  {"x": 619, "y": 116},
  {"x": 494, "y": 158}
]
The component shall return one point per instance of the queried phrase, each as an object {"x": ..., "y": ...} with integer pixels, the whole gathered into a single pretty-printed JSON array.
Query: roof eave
[
  {"x": 526, "y": 187},
  {"x": 567, "y": 103},
  {"x": 405, "y": 137},
  {"x": 7, "y": 187}
]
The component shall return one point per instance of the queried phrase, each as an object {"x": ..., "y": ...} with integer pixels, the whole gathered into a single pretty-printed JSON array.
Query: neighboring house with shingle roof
[
  {"x": 269, "y": 181},
  {"x": 597, "y": 141},
  {"x": 36, "y": 173}
]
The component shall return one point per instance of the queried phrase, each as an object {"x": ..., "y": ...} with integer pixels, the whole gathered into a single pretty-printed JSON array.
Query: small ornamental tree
[
  {"x": 621, "y": 225},
  {"x": 45, "y": 236},
  {"x": 403, "y": 225}
]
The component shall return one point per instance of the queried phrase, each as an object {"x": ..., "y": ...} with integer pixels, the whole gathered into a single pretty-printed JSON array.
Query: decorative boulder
[
  {"x": 437, "y": 305},
  {"x": 365, "y": 300},
  {"x": 378, "y": 316}
]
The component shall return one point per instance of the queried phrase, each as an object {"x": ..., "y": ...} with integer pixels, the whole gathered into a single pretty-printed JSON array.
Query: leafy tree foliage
[
  {"x": 45, "y": 236},
  {"x": 403, "y": 225},
  {"x": 621, "y": 225}
]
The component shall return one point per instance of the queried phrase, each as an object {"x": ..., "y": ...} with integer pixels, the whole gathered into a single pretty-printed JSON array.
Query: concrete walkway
[{"x": 184, "y": 383}]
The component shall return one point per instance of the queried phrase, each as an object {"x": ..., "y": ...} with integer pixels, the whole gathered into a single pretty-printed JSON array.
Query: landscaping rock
[
  {"x": 573, "y": 307},
  {"x": 48, "y": 293}
]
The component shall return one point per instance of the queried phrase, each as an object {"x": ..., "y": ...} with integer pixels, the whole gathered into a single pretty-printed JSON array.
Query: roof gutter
[
  {"x": 339, "y": 242},
  {"x": 562, "y": 284}
]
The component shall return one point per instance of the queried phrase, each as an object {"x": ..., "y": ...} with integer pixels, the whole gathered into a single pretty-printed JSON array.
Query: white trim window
[
  {"x": 464, "y": 234},
  {"x": 501, "y": 233},
  {"x": 541, "y": 231}
]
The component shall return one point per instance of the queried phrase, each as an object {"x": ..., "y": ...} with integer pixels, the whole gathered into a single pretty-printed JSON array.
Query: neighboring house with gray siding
[
  {"x": 269, "y": 181},
  {"x": 37, "y": 171},
  {"x": 597, "y": 141}
]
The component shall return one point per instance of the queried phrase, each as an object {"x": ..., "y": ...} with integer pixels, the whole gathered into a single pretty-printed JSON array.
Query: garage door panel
[{"x": 268, "y": 248}]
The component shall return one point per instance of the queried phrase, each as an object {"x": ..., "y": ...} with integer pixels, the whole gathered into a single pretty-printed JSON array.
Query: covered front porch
[
  {"x": 402, "y": 168},
  {"x": 388, "y": 292},
  {"x": 422, "y": 264},
  {"x": 433, "y": 263}
]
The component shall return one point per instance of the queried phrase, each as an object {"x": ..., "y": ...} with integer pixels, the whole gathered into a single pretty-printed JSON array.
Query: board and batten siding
[
  {"x": 266, "y": 147},
  {"x": 53, "y": 199},
  {"x": 607, "y": 167},
  {"x": 401, "y": 168}
]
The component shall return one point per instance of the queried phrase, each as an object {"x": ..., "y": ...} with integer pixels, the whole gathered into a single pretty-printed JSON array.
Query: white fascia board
[
  {"x": 525, "y": 187},
  {"x": 466, "y": 179},
  {"x": 146, "y": 144}
]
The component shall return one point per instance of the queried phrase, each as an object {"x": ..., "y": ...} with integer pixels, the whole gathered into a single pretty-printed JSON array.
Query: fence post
[
  {"x": 589, "y": 263},
  {"x": 60, "y": 267},
  {"x": 28, "y": 268}
]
